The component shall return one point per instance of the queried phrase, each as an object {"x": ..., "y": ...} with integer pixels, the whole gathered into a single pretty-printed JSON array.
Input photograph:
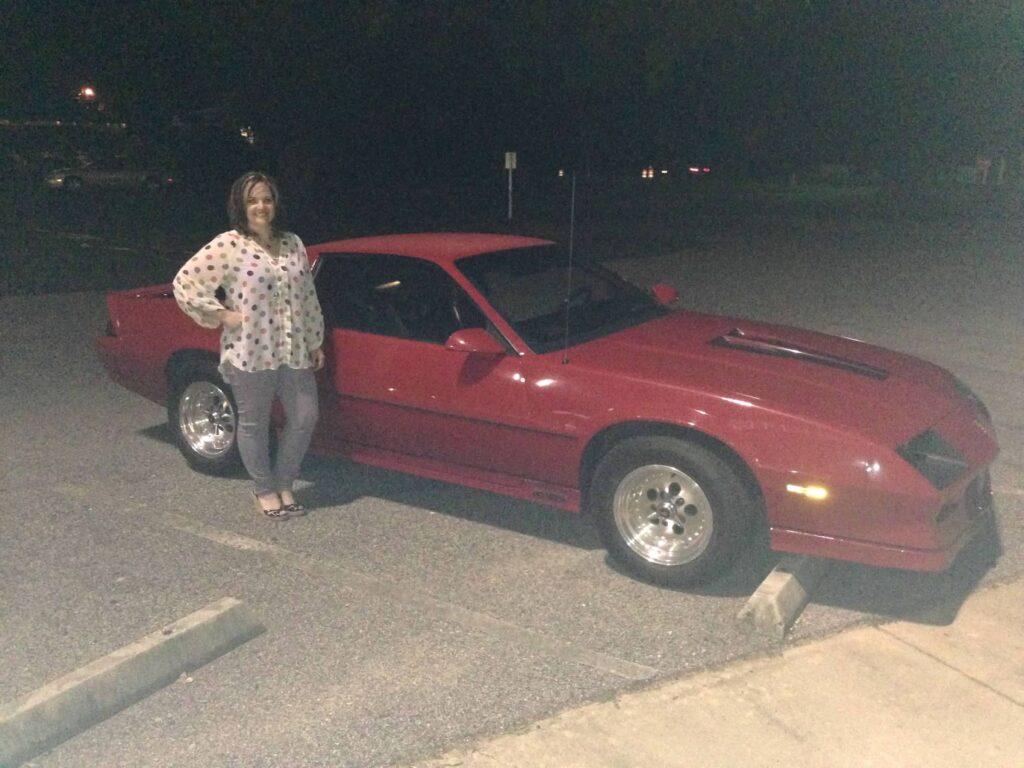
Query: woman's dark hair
[{"x": 239, "y": 193}]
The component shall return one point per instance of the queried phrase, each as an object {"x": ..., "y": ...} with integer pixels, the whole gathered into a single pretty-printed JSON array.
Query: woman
[{"x": 272, "y": 332}]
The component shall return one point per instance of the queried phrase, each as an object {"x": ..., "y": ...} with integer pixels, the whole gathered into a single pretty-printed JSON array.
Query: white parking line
[{"x": 405, "y": 595}]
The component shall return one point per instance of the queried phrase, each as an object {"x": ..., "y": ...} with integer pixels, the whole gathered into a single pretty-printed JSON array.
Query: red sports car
[{"x": 485, "y": 360}]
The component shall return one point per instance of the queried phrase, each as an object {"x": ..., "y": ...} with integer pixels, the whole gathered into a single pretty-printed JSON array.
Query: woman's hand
[
  {"x": 317, "y": 356},
  {"x": 229, "y": 318}
]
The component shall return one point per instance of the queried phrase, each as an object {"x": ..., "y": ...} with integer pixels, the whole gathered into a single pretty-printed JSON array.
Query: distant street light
[{"x": 87, "y": 93}]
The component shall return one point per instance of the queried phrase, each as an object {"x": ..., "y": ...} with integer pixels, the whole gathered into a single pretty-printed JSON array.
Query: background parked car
[{"x": 108, "y": 174}]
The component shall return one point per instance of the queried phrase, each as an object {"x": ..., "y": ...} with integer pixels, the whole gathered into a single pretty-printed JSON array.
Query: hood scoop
[{"x": 742, "y": 342}]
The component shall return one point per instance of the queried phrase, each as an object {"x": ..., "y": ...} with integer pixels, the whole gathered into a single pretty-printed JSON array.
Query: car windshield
[{"x": 530, "y": 287}]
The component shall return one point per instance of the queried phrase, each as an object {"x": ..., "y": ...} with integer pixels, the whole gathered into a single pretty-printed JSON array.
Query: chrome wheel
[
  {"x": 663, "y": 515},
  {"x": 206, "y": 419}
]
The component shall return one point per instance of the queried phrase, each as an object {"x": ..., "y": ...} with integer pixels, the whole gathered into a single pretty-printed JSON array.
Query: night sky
[{"x": 590, "y": 83}]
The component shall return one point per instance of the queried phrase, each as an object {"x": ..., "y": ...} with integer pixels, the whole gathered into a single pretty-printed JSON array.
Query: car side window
[{"x": 393, "y": 296}]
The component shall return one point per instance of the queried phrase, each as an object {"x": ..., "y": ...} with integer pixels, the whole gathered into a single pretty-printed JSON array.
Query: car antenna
[{"x": 568, "y": 274}]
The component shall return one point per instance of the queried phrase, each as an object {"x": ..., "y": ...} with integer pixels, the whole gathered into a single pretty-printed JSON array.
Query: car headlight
[
  {"x": 969, "y": 394},
  {"x": 938, "y": 461}
]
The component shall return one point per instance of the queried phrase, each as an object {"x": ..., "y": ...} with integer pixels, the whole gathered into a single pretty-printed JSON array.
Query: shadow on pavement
[
  {"x": 925, "y": 598},
  {"x": 336, "y": 482}
]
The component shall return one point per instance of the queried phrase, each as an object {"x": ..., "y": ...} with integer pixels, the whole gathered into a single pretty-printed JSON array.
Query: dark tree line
[{"x": 448, "y": 86}]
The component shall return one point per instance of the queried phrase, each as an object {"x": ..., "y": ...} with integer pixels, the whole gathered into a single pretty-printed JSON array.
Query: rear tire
[
  {"x": 670, "y": 511},
  {"x": 203, "y": 417}
]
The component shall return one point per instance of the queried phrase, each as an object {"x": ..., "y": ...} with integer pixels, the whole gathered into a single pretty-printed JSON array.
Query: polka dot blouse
[{"x": 281, "y": 319}]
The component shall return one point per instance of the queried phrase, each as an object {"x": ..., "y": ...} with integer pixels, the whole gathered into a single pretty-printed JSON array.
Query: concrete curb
[
  {"x": 69, "y": 705},
  {"x": 781, "y": 597}
]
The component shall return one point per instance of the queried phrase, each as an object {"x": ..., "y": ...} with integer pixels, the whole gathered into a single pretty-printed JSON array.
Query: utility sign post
[{"x": 510, "y": 165}]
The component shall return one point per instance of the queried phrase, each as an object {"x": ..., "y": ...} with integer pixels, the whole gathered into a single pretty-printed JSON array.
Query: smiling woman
[{"x": 271, "y": 337}]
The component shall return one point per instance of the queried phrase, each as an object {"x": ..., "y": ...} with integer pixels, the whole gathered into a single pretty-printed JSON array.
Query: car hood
[{"x": 837, "y": 381}]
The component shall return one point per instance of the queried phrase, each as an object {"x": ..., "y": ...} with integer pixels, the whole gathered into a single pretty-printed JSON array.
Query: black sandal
[
  {"x": 294, "y": 509},
  {"x": 278, "y": 514}
]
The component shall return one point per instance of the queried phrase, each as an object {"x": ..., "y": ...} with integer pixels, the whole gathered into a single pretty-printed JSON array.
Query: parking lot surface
[{"x": 405, "y": 617}]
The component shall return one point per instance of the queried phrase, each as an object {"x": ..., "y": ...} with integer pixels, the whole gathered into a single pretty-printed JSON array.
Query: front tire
[
  {"x": 203, "y": 417},
  {"x": 670, "y": 511}
]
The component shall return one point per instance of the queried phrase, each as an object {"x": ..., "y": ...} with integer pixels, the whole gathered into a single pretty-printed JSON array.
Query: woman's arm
[{"x": 196, "y": 284}]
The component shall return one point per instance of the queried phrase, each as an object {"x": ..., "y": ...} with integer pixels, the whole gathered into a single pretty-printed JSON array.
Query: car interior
[{"x": 393, "y": 296}]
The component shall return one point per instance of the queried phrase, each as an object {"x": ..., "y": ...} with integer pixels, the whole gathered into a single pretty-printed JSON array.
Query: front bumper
[{"x": 970, "y": 517}]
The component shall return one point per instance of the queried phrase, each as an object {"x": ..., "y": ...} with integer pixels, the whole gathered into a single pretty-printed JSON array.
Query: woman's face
[{"x": 259, "y": 207}]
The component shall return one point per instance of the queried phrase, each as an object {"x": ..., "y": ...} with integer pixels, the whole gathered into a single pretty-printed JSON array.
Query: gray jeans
[{"x": 255, "y": 392}]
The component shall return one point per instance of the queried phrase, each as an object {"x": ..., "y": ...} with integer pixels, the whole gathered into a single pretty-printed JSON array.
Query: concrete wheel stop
[
  {"x": 69, "y": 705},
  {"x": 778, "y": 601}
]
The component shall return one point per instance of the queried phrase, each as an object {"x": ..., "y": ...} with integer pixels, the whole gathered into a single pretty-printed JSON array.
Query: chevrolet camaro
[{"x": 492, "y": 361}]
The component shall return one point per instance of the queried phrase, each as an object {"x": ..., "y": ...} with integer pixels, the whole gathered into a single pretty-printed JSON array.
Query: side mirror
[
  {"x": 664, "y": 294},
  {"x": 475, "y": 341}
]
